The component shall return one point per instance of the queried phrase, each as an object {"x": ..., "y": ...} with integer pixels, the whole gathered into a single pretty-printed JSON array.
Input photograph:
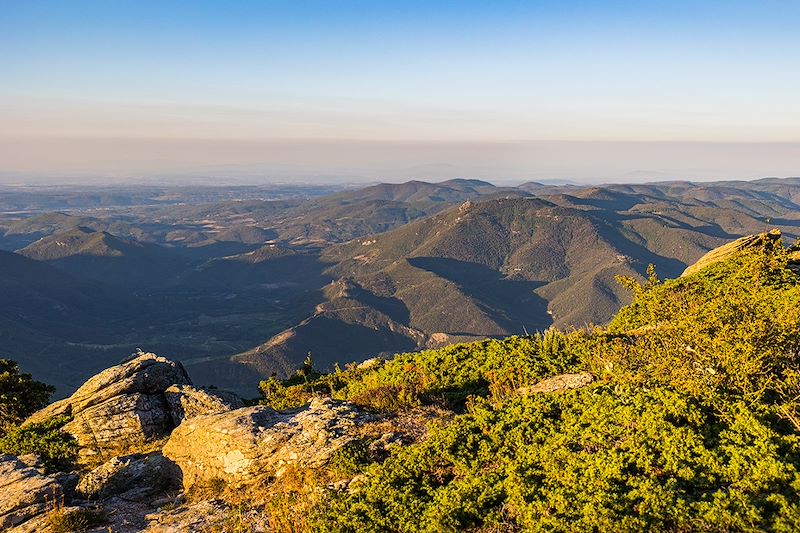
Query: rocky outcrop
[
  {"x": 204, "y": 516},
  {"x": 185, "y": 401},
  {"x": 794, "y": 256},
  {"x": 122, "y": 424},
  {"x": 121, "y": 409},
  {"x": 134, "y": 476},
  {"x": 146, "y": 373},
  {"x": 24, "y": 492},
  {"x": 731, "y": 249},
  {"x": 249, "y": 444},
  {"x": 559, "y": 383}
]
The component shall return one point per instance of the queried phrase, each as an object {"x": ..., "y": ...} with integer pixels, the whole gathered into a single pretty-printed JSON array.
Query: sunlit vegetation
[
  {"x": 693, "y": 423},
  {"x": 56, "y": 448}
]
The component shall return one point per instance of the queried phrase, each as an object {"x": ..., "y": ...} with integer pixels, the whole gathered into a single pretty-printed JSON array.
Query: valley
[{"x": 239, "y": 283}]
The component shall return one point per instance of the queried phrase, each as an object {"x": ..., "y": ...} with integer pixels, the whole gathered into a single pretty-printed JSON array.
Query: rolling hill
[
  {"x": 103, "y": 257},
  {"x": 239, "y": 289},
  {"x": 499, "y": 267}
]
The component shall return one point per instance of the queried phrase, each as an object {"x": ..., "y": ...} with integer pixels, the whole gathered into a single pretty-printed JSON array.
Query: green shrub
[
  {"x": 599, "y": 459},
  {"x": 20, "y": 394},
  {"x": 281, "y": 397},
  {"x": 694, "y": 424},
  {"x": 445, "y": 376},
  {"x": 732, "y": 329},
  {"x": 56, "y": 448},
  {"x": 452, "y": 372},
  {"x": 349, "y": 460}
]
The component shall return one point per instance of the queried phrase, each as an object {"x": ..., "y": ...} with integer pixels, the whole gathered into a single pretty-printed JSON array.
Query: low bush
[
  {"x": 63, "y": 520},
  {"x": 605, "y": 458},
  {"x": 693, "y": 422},
  {"x": 57, "y": 449},
  {"x": 20, "y": 394}
]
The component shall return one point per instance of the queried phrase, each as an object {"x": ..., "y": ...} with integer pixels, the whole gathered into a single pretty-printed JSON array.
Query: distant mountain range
[{"x": 241, "y": 289}]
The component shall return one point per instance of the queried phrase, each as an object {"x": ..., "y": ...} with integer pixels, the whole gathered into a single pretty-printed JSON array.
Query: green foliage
[
  {"x": 56, "y": 448},
  {"x": 694, "y": 424},
  {"x": 731, "y": 329},
  {"x": 282, "y": 397},
  {"x": 453, "y": 372},
  {"x": 305, "y": 373},
  {"x": 293, "y": 392},
  {"x": 20, "y": 394},
  {"x": 349, "y": 460},
  {"x": 603, "y": 458},
  {"x": 446, "y": 376}
]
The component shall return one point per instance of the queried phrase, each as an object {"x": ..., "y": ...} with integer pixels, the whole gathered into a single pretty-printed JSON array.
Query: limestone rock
[
  {"x": 137, "y": 476},
  {"x": 121, "y": 424},
  {"x": 145, "y": 374},
  {"x": 245, "y": 445},
  {"x": 729, "y": 250},
  {"x": 24, "y": 492},
  {"x": 794, "y": 258},
  {"x": 203, "y": 516},
  {"x": 185, "y": 401},
  {"x": 559, "y": 383},
  {"x": 373, "y": 362},
  {"x": 33, "y": 460},
  {"x": 121, "y": 409}
]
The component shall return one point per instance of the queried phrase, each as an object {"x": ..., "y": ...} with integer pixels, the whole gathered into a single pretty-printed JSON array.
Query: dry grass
[
  {"x": 213, "y": 489},
  {"x": 64, "y": 520}
]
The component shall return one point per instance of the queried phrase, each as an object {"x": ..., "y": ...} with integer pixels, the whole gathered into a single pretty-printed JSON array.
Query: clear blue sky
[{"x": 386, "y": 90}]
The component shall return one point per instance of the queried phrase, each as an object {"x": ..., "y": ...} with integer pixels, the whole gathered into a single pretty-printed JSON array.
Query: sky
[{"x": 390, "y": 90}]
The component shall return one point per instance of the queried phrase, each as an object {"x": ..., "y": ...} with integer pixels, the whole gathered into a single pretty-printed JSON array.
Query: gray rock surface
[
  {"x": 135, "y": 476},
  {"x": 120, "y": 424},
  {"x": 121, "y": 409},
  {"x": 24, "y": 492},
  {"x": 246, "y": 445},
  {"x": 186, "y": 401},
  {"x": 146, "y": 373},
  {"x": 202, "y": 516}
]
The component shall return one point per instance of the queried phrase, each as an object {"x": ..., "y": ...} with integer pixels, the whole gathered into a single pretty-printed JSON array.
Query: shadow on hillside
[
  {"x": 226, "y": 374},
  {"x": 615, "y": 201},
  {"x": 784, "y": 222},
  {"x": 666, "y": 267},
  {"x": 121, "y": 271},
  {"x": 712, "y": 230},
  {"x": 390, "y": 306},
  {"x": 231, "y": 274},
  {"x": 215, "y": 249},
  {"x": 512, "y": 303}
]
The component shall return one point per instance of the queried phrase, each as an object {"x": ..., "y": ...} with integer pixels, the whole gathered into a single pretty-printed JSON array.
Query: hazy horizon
[{"x": 363, "y": 91}]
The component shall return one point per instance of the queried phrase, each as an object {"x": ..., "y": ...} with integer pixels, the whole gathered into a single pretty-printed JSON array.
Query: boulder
[
  {"x": 246, "y": 445},
  {"x": 122, "y": 409},
  {"x": 731, "y": 249},
  {"x": 136, "y": 476},
  {"x": 24, "y": 492},
  {"x": 121, "y": 424},
  {"x": 794, "y": 257},
  {"x": 186, "y": 401},
  {"x": 146, "y": 373},
  {"x": 559, "y": 383}
]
